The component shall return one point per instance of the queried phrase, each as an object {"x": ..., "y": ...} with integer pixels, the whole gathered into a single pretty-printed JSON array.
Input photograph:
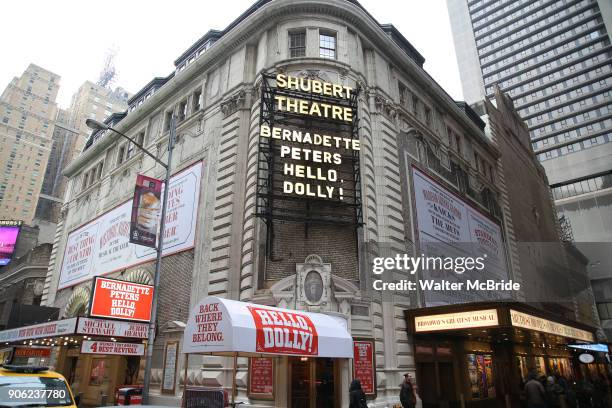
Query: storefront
[
  {"x": 95, "y": 355},
  {"x": 295, "y": 358},
  {"x": 479, "y": 355}
]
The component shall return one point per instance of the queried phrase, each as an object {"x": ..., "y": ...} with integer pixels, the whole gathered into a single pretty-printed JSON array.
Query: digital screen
[{"x": 8, "y": 237}]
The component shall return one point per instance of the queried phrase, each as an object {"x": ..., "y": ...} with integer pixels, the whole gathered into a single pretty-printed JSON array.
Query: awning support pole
[
  {"x": 185, "y": 378},
  {"x": 234, "y": 379}
]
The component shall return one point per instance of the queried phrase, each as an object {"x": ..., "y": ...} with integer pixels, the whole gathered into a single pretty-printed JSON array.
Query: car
[{"x": 33, "y": 386}]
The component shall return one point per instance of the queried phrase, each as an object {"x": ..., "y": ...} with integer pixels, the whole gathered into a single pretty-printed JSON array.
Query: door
[
  {"x": 448, "y": 393},
  {"x": 300, "y": 382},
  {"x": 428, "y": 387},
  {"x": 313, "y": 383}
]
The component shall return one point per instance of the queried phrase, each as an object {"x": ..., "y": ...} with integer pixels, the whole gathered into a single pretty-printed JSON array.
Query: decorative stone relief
[
  {"x": 313, "y": 278},
  {"x": 78, "y": 302},
  {"x": 314, "y": 288},
  {"x": 386, "y": 107},
  {"x": 233, "y": 103}
]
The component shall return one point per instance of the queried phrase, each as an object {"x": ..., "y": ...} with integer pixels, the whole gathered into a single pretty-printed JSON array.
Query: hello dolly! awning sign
[{"x": 219, "y": 325}]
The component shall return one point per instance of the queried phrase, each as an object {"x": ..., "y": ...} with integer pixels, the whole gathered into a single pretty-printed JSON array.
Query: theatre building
[{"x": 309, "y": 142}]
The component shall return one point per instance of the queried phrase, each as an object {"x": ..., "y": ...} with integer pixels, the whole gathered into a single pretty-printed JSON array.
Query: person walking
[
  {"x": 357, "y": 398},
  {"x": 407, "y": 393},
  {"x": 554, "y": 391},
  {"x": 535, "y": 392}
]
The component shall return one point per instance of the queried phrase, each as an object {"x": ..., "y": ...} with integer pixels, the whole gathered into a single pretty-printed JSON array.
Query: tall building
[
  {"x": 52, "y": 188},
  {"x": 93, "y": 101},
  {"x": 69, "y": 136},
  {"x": 554, "y": 60},
  {"x": 27, "y": 114}
]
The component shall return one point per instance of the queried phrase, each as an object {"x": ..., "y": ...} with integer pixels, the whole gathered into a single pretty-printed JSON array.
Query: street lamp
[{"x": 96, "y": 125}]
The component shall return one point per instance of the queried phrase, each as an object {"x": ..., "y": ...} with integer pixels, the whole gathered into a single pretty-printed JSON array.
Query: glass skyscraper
[{"x": 553, "y": 57}]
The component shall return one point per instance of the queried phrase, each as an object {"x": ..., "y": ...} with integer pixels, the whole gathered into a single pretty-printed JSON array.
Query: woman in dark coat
[{"x": 357, "y": 398}]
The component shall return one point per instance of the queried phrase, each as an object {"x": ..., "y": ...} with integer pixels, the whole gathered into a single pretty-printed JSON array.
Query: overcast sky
[{"x": 71, "y": 38}]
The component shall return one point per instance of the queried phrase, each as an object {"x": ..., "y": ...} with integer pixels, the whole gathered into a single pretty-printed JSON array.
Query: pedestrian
[
  {"x": 584, "y": 392},
  {"x": 357, "y": 398},
  {"x": 600, "y": 392},
  {"x": 535, "y": 392},
  {"x": 553, "y": 393},
  {"x": 407, "y": 393},
  {"x": 571, "y": 397}
]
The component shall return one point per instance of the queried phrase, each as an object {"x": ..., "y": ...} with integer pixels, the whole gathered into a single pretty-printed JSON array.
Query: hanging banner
[
  {"x": 41, "y": 352},
  {"x": 116, "y": 299},
  {"x": 103, "y": 245},
  {"x": 364, "y": 366},
  {"x": 111, "y": 328},
  {"x": 112, "y": 347},
  {"x": 261, "y": 378},
  {"x": 146, "y": 207},
  {"x": 50, "y": 329}
]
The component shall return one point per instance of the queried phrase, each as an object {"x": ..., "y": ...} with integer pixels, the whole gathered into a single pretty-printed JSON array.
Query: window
[
  {"x": 130, "y": 150},
  {"x": 167, "y": 121},
  {"x": 297, "y": 44},
  {"x": 327, "y": 46},
  {"x": 140, "y": 138},
  {"x": 182, "y": 113},
  {"x": 120, "y": 155},
  {"x": 427, "y": 116},
  {"x": 458, "y": 144},
  {"x": 197, "y": 100},
  {"x": 99, "y": 170}
]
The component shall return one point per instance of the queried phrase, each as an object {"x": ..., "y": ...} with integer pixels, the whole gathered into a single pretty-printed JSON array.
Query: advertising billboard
[
  {"x": 103, "y": 245},
  {"x": 449, "y": 226},
  {"x": 9, "y": 231},
  {"x": 116, "y": 299}
]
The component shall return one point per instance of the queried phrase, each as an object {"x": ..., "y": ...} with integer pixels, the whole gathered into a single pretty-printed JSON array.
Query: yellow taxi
[{"x": 30, "y": 386}]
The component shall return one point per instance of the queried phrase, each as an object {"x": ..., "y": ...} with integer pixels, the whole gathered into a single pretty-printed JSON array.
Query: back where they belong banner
[{"x": 102, "y": 245}]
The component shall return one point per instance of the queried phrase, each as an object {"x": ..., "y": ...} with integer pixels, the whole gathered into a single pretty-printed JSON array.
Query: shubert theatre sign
[{"x": 309, "y": 150}]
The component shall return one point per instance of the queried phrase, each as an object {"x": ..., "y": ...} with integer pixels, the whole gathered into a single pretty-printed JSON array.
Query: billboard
[
  {"x": 9, "y": 231},
  {"x": 309, "y": 151},
  {"x": 102, "y": 245},
  {"x": 112, "y": 348},
  {"x": 449, "y": 226},
  {"x": 146, "y": 207},
  {"x": 116, "y": 299}
]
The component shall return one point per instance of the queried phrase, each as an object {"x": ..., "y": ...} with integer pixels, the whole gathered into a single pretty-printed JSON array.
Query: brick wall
[
  {"x": 175, "y": 286},
  {"x": 334, "y": 244}
]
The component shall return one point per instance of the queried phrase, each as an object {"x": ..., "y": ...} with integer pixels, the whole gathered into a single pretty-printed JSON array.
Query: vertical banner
[
  {"x": 364, "y": 366},
  {"x": 261, "y": 378},
  {"x": 146, "y": 207}
]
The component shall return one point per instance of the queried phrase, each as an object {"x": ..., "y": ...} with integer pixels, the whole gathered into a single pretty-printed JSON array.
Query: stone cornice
[{"x": 258, "y": 22}]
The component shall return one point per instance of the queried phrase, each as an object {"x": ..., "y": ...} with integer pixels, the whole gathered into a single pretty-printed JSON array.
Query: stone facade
[{"x": 405, "y": 118}]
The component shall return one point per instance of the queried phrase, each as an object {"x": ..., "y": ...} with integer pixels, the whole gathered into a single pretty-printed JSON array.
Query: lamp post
[{"x": 94, "y": 124}]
